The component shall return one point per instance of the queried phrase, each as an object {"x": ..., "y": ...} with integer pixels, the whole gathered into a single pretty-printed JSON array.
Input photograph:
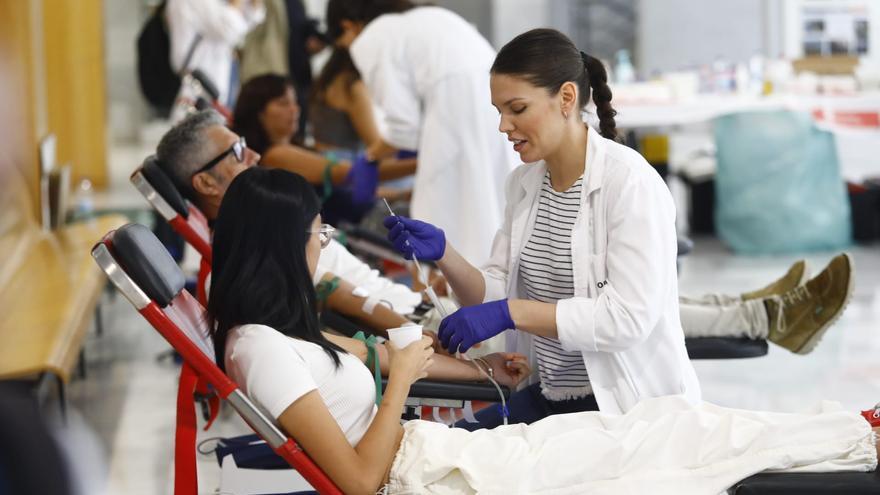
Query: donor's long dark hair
[{"x": 259, "y": 272}]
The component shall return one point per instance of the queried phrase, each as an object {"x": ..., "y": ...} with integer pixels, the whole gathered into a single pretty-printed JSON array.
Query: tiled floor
[
  {"x": 844, "y": 367},
  {"x": 128, "y": 396}
]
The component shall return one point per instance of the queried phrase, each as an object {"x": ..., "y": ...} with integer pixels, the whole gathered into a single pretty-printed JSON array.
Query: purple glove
[
  {"x": 404, "y": 154},
  {"x": 471, "y": 324},
  {"x": 363, "y": 178},
  {"x": 410, "y": 237}
]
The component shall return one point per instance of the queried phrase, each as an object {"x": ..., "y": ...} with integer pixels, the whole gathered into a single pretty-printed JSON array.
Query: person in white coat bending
[
  {"x": 210, "y": 29},
  {"x": 583, "y": 264},
  {"x": 428, "y": 71}
]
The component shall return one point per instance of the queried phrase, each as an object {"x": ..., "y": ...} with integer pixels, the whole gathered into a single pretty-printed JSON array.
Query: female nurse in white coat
[
  {"x": 428, "y": 71},
  {"x": 583, "y": 264}
]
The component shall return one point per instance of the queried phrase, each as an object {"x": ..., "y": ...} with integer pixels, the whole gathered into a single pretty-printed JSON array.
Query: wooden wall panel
[
  {"x": 75, "y": 85},
  {"x": 51, "y": 80},
  {"x": 18, "y": 156}
]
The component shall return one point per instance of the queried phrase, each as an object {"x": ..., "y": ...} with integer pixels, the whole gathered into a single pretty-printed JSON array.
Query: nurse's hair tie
[{"x": 586, "y": 59}]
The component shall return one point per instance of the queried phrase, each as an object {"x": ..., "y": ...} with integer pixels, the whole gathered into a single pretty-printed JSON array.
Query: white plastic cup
[{"x": 405, "y": 335}]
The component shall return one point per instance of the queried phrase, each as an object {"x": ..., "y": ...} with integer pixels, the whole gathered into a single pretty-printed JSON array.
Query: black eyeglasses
[{"x": 238, "y": 148}]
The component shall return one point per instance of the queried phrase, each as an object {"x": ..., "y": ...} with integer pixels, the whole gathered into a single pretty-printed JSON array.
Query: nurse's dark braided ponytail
[
  {"x": 547, "y": 59},
  {"x": 598, "y": 78}
]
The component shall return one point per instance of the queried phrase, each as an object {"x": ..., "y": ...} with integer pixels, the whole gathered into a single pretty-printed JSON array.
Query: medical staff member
[
  {"x": 583, "y": 265},
  {"x": 428, "y": 71}
]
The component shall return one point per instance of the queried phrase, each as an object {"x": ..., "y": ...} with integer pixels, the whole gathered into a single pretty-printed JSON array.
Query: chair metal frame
[{"x": 203, "y": 367}]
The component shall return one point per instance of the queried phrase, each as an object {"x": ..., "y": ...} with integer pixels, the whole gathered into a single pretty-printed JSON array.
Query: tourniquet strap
[
  {"x": 328, "y": 178},
  {"x": 372, "y": 357},
  {"x": 325, "y": 288}
]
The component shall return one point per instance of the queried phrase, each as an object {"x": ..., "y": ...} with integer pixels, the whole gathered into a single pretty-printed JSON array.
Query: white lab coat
[
  {"x": 428, "y": 71},
  {"x": 222, "y": 27},
  {"x": 624, "y": 315}
]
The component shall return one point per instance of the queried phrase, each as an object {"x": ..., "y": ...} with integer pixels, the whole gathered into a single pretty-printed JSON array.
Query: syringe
[
  {"x": 432, "y": 296},
  {"x": 423, "y": 277}
]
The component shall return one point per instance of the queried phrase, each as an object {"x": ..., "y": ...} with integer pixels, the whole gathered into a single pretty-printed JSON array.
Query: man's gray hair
[{"x": 183, "y": 149}]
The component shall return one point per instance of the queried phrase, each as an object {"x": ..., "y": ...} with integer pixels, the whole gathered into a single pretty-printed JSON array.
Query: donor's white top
[{"x": 275, "y": 370}]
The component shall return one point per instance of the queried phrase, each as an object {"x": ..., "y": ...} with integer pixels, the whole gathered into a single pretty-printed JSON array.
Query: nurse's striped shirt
[{"x": 545, "y": 268}]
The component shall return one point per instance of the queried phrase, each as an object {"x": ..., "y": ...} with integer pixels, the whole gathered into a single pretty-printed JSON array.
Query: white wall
[
  {"x": 673, "y": 34},
  {"x": 126, "y": 107},
  {"x": 512, "y": 17},
  {"x": 679, "y": 33},
  {"x": 476, "y": 12},
  {"x": 791, "y": 14}
]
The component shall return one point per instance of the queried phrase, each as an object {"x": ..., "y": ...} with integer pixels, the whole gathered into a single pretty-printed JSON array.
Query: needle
[
  {"x": 423, "y": 277},
  {"x": 432, "y": 296}
]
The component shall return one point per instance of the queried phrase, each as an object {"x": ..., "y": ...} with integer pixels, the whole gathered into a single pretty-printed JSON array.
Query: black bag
[
  {"x": 159, "y": 83},
  {"x": 249, "y": 452}
]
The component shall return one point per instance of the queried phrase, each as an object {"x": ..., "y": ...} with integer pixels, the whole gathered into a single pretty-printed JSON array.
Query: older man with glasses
[{"x": 202, "y": 156}]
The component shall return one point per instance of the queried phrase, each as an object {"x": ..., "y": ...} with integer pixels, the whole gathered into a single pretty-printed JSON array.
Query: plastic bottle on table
[
  {"x": 624, "y": 70},
  {"x": 84, "y": 204}
]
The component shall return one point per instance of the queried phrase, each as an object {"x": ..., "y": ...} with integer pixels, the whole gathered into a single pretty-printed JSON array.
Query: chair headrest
[
  {"x": 207, "y": 84},
  {"x": 164, "y": 186},
  {"x": 202, "y": 103},
  {"x": 147, "y": 263}
]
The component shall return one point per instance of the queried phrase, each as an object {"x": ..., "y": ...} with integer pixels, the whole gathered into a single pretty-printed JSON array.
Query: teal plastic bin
[{"x": 778, "y": 185}]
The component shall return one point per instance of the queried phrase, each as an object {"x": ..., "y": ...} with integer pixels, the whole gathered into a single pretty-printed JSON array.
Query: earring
[{"x": 565, "y": 114}]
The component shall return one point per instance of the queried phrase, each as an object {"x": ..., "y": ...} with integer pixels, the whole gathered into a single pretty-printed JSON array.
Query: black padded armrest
[
  {"x": 360, "y": 240},
  {"x": 685, "y": 245},
  {"x": 429, "y": 389},
  {"x": 148, "y": 263},
  {"x": 725, "y": 347},
  {"x": 424, "y": 389},
  {"x": 340, "y": 323},
  {"x": 809, "y": 484},
  {"x": 369, "y": 236}
]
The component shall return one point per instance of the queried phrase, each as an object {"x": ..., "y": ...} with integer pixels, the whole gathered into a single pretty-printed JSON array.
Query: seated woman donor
[
  {"x": 266, "y": 246},
  {"x": 266, "y": 115}
]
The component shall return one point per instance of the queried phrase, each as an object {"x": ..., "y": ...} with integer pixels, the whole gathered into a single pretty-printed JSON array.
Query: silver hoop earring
[{"x": 565, "y": 114}]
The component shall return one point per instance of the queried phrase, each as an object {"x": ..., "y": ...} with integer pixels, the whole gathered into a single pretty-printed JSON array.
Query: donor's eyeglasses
[
  {"x": 238, "y": 149},
  {"x": 325, "y": 233}
]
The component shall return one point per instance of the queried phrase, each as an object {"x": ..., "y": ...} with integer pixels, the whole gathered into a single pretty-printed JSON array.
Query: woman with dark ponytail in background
[{"x": 582, "y": 271}]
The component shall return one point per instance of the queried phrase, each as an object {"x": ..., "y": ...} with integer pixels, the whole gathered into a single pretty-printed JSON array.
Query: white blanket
[{"x": 662, "y": 446}]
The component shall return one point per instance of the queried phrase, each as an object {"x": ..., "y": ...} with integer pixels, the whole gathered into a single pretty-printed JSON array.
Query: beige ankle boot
[
  {"x": 799, "y": 318},
  {"x": 796, "y": 276}
]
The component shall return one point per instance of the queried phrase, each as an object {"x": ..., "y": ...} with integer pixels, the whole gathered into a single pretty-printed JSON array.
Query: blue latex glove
[
  {"x": 471, "y": 324},
  {"x": 410, "y": 237},
  {"x": 404, "y": 154},
  {"x": 363, "y": 178}
]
